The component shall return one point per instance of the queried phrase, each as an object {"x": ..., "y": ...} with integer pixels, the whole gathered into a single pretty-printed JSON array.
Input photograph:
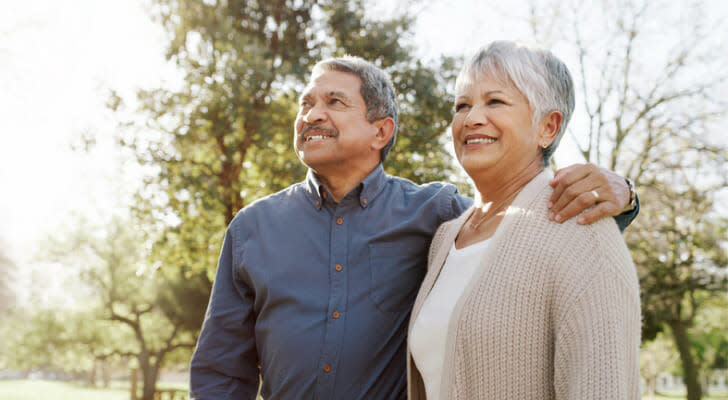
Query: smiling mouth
[
  {"x": 316, "y": 137},
  {"x": 317, "y": 133},
  {"x": 480, "y": 140}
]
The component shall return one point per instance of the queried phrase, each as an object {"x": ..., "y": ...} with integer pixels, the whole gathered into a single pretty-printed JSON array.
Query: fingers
[
  {"x": 581, "y": 186},
  {"x": 572, "y": 181},
  {"x": 583, "y": 200},
  {"x": 602, "y": 210},
  {"x": 566, "y": 177}
]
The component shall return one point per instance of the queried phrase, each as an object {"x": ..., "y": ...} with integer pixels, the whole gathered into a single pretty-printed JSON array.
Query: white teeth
[
  {"x": 316, "y": 137},
  {"x": 480, "y": 140}
]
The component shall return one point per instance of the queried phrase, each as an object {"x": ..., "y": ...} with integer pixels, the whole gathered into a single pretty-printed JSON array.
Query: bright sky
[
  {"x": 58, "y": 60},
  {"x": 57, "y": 63}
]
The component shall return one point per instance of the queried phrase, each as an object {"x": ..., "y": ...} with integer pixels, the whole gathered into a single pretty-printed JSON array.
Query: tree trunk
[
  {"x": 92, "y": 375},
  {"x": 106, "y": 374},
  {"x": 690, "y": 371},
  {"x": 651, "y": 384},
  {"x": 149, "y": 380}
]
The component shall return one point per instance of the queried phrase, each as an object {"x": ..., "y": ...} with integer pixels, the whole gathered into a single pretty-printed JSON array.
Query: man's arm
[
  {"x": 225, "y": 363},
  {"x": 581, "y": 186}
]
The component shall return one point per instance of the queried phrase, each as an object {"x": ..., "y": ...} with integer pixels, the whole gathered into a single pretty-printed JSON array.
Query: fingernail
[
  {"x": 551, "y": 216},
  {"x": 581, "y": 220},
  {"x": 558, "y": 218},
  {"x": 551, "y": 204}
]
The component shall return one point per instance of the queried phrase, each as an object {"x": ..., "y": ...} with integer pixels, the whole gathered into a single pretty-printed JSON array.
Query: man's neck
[{"x": 340, "y": 183}]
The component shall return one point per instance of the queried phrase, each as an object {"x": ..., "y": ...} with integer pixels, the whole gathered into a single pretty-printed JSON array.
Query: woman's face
[{"x": 492, "y": 128}]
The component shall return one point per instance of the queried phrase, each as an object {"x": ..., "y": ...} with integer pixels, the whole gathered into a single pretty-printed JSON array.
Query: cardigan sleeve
[{"x": 597, "y": 338}]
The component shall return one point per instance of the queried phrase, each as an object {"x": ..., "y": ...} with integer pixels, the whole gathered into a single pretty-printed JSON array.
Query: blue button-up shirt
[{"x": 315, "y": 295}]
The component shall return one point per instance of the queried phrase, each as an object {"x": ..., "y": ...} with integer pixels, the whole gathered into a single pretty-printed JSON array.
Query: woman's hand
[{"x": 580, "y": 186}]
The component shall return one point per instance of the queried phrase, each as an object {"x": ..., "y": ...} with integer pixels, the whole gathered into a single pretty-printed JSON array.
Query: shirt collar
[{"x": 366, "y": 191}]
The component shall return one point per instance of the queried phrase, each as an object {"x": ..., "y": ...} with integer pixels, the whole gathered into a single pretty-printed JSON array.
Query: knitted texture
[{"x": 552, "y": 313}]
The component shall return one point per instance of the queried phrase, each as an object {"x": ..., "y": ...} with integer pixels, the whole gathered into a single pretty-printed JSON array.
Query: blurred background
[{"x": 133, "y": 131}]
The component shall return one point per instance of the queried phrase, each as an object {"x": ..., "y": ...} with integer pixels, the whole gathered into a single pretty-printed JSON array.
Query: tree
[
  {"x": 7, "y": 293},
  {"x": 130, "y": 296},
  {"x": 656, "y": 356},
  {"x": 709, "y": 338},
  {"x": 652, "y": 101},
  {"x": 61, "y": 341}
]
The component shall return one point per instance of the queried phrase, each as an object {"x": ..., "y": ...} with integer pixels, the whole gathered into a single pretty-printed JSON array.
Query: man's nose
[{"x": 315, "y": 114}]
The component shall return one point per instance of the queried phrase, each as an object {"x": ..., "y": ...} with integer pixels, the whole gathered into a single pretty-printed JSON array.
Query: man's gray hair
[
  {"x": 376, "y": 89},
  {"x": 541, "y": 77}
]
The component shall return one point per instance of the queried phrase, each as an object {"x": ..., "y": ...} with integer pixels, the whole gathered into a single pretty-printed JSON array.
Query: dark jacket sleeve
[
  {"x": 225, "y": 362},
  {"x": 626, "y": 218}
]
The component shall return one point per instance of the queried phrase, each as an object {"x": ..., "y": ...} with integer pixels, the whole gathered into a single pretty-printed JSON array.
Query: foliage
[
  {"x": 7, "y": 270},
  {"x": 656, "y": 356}
]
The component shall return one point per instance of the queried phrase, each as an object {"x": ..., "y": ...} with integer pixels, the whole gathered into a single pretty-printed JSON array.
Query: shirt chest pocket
[{"x": 396, "y": 271}]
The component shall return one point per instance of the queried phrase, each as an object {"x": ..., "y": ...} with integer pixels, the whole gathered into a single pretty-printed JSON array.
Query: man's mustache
[{"x": 318, "y": 128}]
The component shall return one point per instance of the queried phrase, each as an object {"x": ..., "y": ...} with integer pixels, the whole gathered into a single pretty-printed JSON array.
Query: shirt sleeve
[
  {"x": 626, "y": 218},
  {"x": 225, "y": 362},
  {"x": 453, "y": 204},
  {"x": 597, "y": 341}
]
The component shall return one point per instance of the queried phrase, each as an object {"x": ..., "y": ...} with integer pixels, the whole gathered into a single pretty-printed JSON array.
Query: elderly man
[{"x": 315, "y": 284}]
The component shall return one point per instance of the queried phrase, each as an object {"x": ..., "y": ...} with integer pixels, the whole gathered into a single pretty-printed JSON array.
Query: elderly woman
[{"x": 515, "y": 306}]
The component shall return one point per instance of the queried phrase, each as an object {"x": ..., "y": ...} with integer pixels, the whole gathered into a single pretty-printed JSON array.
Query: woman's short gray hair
[
  {"x": 376, "y": 89},
  {"x": 541, "y": 77}
]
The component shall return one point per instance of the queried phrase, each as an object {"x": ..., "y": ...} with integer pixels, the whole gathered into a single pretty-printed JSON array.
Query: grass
[
  {"x": 52, "y": 390},
  {"x": 680, "y": 396},
  {"x": 55, "y": 390}
]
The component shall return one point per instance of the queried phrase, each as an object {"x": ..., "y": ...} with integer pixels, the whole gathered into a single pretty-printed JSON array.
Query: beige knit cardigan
[{"x": 553, "y": 312}]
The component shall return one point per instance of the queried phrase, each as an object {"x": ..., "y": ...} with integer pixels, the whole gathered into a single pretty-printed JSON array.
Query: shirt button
[
  {"x": 324, "y": 195},
  {"x": 335, "y": 314},
  {"x": 318, "y": 203},
  {"x": 327, "y": 368},
  {"x": 338, "y": 267},
  {"x": 364, "y": 201},
  {"x": 339, "y": 221}
]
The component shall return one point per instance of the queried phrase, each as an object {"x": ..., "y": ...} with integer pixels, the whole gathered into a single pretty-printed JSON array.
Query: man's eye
[{"x": 335, "y": 101}]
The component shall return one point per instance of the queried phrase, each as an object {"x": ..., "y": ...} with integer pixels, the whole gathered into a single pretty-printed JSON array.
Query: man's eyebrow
[{"x": 338, "y": 94}]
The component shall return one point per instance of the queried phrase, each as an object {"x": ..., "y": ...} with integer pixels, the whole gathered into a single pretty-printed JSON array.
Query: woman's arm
[{"x": 598, "y": 335}]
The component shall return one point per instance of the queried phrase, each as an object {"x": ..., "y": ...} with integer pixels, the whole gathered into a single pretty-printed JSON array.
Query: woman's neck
[{"x": 495, "y": 189}]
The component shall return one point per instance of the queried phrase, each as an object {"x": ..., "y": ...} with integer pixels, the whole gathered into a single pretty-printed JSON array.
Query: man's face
[{"x": 331, "y": 127}]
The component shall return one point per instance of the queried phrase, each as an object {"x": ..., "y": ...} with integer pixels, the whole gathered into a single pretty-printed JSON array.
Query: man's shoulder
[
  {"x": 429, "y": 189},
  {"x": 275, "y": 202}
]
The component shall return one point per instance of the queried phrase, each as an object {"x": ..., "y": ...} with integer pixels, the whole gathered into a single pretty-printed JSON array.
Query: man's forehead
[{"x": 330, "y": 81}]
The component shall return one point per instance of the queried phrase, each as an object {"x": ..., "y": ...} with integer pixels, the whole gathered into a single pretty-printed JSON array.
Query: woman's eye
[
  {"x": 496, "y": 101},
  {"x": 461, "y": 106}
]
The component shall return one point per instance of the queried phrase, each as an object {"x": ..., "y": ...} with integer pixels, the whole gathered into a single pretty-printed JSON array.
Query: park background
[{"x": 132, "y": 131}]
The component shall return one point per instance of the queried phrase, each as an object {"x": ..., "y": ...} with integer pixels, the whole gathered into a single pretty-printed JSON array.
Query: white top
[{"x": 429, "y": 332}]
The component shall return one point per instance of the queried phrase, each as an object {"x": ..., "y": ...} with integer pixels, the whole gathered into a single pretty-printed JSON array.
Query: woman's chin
[{"x": 477, "y": 166}]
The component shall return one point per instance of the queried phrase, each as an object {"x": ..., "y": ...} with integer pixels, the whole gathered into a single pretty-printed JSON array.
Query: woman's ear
[{"x": 549, "y": 127}]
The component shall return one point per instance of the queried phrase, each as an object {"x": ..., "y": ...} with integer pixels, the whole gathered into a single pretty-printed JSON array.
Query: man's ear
[
  {"x": 385, "y": 130},
  {"x": 549, "y": 127}
]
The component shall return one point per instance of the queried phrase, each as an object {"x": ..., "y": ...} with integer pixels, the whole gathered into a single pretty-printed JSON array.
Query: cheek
[{"x": 456, "y": 126}]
